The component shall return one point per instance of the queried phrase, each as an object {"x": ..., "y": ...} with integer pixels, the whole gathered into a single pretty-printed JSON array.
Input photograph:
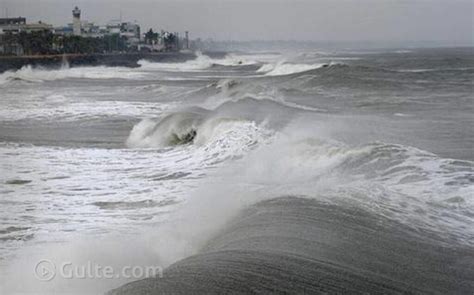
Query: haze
[{"x": 449, "y": 21}]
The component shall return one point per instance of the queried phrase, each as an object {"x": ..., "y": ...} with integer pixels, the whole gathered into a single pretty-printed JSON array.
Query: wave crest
[
  {"x": 197, "y": 129},
  {"x": 202, "y": 62},
  {"x": 39, "y": 74},
  {"x": 283, "y": 68}
]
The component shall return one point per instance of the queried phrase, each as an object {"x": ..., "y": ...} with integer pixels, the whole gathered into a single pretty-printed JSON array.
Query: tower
[
  {"x": 76, "y": 21},
  {"x": 187, "y": 40}
]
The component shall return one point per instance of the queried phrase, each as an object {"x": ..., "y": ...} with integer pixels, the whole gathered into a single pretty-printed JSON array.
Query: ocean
[{"x": 361, "y": 161}]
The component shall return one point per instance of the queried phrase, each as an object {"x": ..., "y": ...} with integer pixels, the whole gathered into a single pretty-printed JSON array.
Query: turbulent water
[{"x": 153, "y": 164}]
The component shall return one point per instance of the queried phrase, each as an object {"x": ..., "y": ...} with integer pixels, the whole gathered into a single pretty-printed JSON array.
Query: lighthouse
[{"x": 76, "y": 21}]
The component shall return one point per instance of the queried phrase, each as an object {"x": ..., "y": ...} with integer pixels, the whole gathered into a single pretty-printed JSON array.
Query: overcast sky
[{"x": 449, "y": 21}]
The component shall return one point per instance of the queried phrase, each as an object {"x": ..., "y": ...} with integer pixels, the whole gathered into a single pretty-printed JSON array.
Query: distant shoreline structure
[
  {"x": 19, "y": 38},
  {"x": 8, "y": 63}
]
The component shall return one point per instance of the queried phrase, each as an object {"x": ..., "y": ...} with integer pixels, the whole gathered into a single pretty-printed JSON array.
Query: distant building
[
  {"x": 12, "y": 21},
  {"x": 131, "y": 31},
  {"x": 18, "y": 24},
  {"x": 36, "y": 27},
  {"x": 76, "y": 22},
  {"x": 116, "y": 32},
  {"x": 64, "y": 31},
  {"x": 11, "y": 27},
  {"x": 91, "y": 30},
  {"x": 114, "y": 27}
]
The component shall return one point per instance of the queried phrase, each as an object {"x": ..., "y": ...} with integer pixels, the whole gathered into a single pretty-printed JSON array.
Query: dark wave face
[
  {"x": 296, "y": 172},
  {"x": 297, "y": 245}
]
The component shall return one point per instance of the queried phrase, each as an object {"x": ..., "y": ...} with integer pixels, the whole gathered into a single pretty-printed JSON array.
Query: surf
[
  {"x": 283, "y": 68},
  {"x": 200, "y": 63},
  {"x": 32, "y": 74}
]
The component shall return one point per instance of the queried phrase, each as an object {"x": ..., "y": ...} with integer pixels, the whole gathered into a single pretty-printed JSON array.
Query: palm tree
[{"x": 151, "y": 37}]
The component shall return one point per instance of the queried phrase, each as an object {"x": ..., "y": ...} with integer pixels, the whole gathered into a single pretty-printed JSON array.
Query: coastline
[{"x": 8, "y": 63}]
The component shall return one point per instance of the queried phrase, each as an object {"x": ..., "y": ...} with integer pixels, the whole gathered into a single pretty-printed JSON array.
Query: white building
[
  {"x": 114, "y": 26},
  {"x": 76, "y": 22},
  {"x": 131, "y": 31}
]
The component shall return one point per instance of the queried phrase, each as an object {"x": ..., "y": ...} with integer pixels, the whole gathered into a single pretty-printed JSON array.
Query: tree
[
  {"x": 45, "y": 42},
  {"x": 37, "y": 42},
  {"x": 151, "y": 37},
  {"x": 169, "y": 40}
]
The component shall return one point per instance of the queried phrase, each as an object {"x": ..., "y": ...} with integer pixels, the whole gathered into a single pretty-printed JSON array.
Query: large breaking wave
[
  {"x": 305, "y": 213},
  {"x": 401, "y": 182},
  {"x": 298, "y": 245}
]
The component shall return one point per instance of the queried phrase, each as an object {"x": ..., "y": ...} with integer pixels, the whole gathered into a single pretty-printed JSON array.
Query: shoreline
[{"x": 8, "y": 63}]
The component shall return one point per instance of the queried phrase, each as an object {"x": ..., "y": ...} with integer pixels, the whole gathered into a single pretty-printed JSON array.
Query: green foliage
[
  {"x": 151, "y": 37},
  {"x": 170, "y": 41},
  {"x": 39, "y": 42},
  {"x": 44, "y": 42},
  {"x": 76, "y": 44}
]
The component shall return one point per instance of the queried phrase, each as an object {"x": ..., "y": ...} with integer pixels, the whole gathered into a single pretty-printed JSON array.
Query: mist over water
[{"x": 149, "y": 165}]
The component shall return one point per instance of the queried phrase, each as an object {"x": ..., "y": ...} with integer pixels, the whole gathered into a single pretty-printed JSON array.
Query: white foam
[
  {"x": 202, "y": 62},
  {"x": 283, "y": 68},
  {"x": 158, "y": 134},
  {"x": 402, "y": 115},
  {"x": 393, "y": 180},
  {"x": 31, "y": 74},
  {"x": 59, "y": 108}
]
